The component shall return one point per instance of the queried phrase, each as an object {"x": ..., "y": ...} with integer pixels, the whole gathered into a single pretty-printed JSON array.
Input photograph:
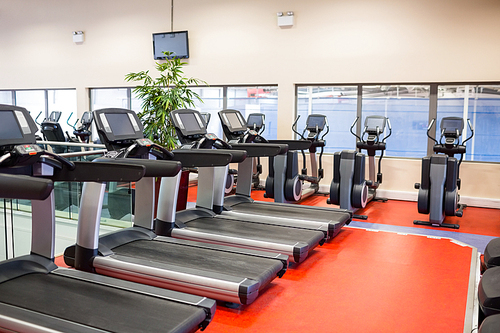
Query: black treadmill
[
  {"x": 201, "y": 224},
  {"x": 241, "y": 205},
  {"x": 137, "y": 253},
  {"x": 36, "y": 295}
]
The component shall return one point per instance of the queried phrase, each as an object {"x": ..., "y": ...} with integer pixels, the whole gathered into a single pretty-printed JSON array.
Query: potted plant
[{"x": 160, "y": 96}]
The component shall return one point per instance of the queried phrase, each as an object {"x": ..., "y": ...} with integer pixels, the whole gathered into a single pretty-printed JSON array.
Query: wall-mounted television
[{"x": 176, "y": 42}]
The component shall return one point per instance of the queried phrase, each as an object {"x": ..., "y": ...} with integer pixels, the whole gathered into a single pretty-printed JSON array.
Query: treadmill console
[
  {"x": 16, "y": 127},
  {"x": 233, "y": 125},
  {"x": 116, "y": 126},
  {"x": 189, "y": 125}
]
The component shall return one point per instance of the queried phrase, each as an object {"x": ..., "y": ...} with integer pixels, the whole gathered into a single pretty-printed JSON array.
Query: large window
[
  {"x": 407, "y": 108},
  {"x": 109, "y": 98},
  {"x": 41, "y": 102},
  {"x": 213, "y": 102},
  {"x": 338, "y": 104},
  {"x": 6, "y": 97},
  {"x": 245, "y": 99},
  {"x": 256, "y": 100},
  {"x": 480, "y": 104}
]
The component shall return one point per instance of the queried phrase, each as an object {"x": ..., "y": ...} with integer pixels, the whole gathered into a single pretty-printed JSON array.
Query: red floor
[
  {"x": 366, "y": 281},
  {"x": 363, "y": 281}
]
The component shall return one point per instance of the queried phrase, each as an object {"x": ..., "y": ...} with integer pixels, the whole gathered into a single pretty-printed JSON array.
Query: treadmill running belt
[
  {"x": 294, "y": 212},
  {"x": 262, "y": 232},
  {"x": 98, "y": 306},
  {"x": 203, "y": 259}
]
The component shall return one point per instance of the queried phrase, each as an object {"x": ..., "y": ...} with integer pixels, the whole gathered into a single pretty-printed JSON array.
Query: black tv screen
[{"x": 175, "y": 42}]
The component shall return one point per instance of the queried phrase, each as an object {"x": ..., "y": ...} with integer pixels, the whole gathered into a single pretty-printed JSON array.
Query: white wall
[{"x": 239, "y": 42}]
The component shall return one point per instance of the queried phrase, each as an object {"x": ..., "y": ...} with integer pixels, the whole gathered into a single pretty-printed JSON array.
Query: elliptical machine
[
  {"x": 315, "y": 124},
  {"x": 348, "y": 188},
  {"x": 293, "y": 188},
  {"x": 257, "y": 123},
  {"x": 438, "y": 189},
  {"x": 82, "y": 132}
]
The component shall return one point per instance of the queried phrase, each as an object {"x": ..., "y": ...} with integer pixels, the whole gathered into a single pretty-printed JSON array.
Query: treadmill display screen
[
  {"x": 235, "y": 123},
  {"x": 120, "y": 124},
  {"x": 9, "y": 128},
  {"x": 190, "y": 123}
]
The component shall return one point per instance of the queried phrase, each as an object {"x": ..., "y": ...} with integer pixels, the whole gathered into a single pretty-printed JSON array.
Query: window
[
  {"x": 213, "y": 102},
  {"x": 65, "y": 102},
  {"x": 407, "y": 107},
  {"x": 34, "y": 102},
  {"x": 338, "y": 104},
  {"x": 480, "y": 104},
  {"x": 256, "y": 99},
  {"x": 248, "y": 100},
  {"x": 109, "y": 98},
  {"x": 6, "y": 97}
]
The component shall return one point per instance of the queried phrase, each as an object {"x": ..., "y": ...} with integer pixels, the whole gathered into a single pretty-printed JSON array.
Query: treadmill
[
  {"x": 38, "y": 296},
  {"x": 202, "y": 224},
  {"x": 138, "y": 254},
  {"x": 241, "y": 205}
]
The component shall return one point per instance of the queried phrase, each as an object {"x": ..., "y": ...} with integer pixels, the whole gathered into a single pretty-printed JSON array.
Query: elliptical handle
[
  {"x": 429, "y": 129},
  {"x": 390, "y": 129},
  {"x": 36, "y": 119},
  {"x": 471, "y": 131},
  {"x": 352, "y": 126},
  {"x": 67, "y": 121},
  {"x": 294, "y": 127},
  {"x": 327, "y": 129}
]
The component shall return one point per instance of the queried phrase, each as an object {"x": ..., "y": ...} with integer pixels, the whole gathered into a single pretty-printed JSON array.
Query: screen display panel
[
  {"x": 175, "y": 42},
  {"x": 190, "y": 122},
  {"x": 120, "y": 124},
  {"x": 9, "y": 127}
]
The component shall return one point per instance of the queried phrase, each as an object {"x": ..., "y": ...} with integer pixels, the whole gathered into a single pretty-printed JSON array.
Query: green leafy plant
[{"x": 160, "y": 96}]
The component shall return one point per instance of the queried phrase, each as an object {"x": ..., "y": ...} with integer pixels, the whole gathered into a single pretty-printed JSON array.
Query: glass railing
[{"x": 15, "y": 219}]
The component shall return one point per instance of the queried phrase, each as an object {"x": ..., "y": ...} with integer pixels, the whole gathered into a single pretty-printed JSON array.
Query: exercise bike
[
  {"x": 438, "y": 190},
  {"x": 349, "y": 188}
]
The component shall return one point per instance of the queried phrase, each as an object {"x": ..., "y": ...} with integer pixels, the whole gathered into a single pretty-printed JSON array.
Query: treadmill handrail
[
  {"x": 261, "y": 149},
  {"x": 100, "y": 172},
  {"x": 197, "y": 158},
  {"x": 294, "y": 144},
  {"x": 153, "y": 168},
  {"x": 24, "y": 187}
]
